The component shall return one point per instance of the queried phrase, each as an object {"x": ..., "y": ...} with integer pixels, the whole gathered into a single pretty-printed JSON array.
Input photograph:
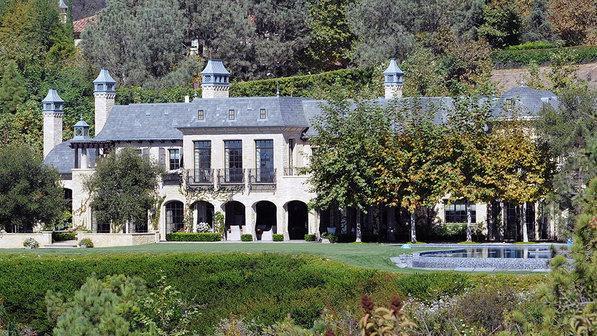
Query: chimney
[
  {"x": 393, "y": 80},
  {"x": 63, "y": 8},
  {"x": 105, "y": 94},
  {"x": 52, "y": 107},
  {"x": 215, "y": 80},
  {"x": 187, "y": 99}
]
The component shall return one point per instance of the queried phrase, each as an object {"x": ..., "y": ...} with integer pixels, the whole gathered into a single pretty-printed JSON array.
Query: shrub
[
  {"x": 246, "y": 237},
  {"x": 310, "y": 237},
  {"x": 63, "y": 236},
  {"x": 331, "y": 237},
  {"x": 203, "y": 227},
  {"x": 533, "y": 45},
  {"x": 31, "y": 243},
  {"x": 263, "y": 287},
  {"x": 517, "y": 58},
  {"x": 194, "y": 236},
  {"x": 86, "y": 243},
  {"x": 278, "y": 237}
]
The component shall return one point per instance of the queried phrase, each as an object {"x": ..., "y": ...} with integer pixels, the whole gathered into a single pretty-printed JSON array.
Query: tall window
[
  {"x": 290, "y": 154},
  {"x": 174, "y": 216},
  {"x": 264, "y": 159},
  {"x": 174, "y": 158},
  {"x": 456, "y": 212},
  {"x": 233, "y": 157},
  {"x": 202, "y": 161},
  {"x": 231, "y": 114}
]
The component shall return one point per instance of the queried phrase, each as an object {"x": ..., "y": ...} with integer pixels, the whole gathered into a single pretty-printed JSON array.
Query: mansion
[{"x": 241, "y": 156}]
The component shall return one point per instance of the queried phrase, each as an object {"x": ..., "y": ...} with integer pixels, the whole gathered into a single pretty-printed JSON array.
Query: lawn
[{"x": 373, "y": 256}]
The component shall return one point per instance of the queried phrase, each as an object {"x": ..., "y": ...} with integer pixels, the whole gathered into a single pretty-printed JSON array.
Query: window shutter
[{"x": 162, "y": 159}]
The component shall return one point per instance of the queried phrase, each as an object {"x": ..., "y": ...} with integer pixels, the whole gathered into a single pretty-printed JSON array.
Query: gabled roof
[
  {"x": 526, "y": 100},
  {"x": 81, "y": 24}
]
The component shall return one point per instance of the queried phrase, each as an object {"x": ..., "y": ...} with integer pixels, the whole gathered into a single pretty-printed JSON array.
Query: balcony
[
  {"x": 262, "y": 179},
  {"x": 295, "y": 171},
  {"x": 201, "y": 178},
  {"x": 171, "y": 178},
  {"x": 231, "y": 178}
]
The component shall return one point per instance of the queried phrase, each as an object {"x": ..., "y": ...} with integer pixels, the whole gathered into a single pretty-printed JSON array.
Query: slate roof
[
  {"x": 163, "y": 121},
  {"x": 215, "y": 66},
  {"x": 527, "y": 100},
  {"x": 52, "y": 97}
]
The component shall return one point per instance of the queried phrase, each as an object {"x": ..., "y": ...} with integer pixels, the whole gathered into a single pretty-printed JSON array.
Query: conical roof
[
  {"x": 393, "y": 68},
  {"x": 104, "y": 77},
  {"x": 52, "y": 97},
  {"x": 62, "y": 5},
  {"x": 215, "y": 66}
]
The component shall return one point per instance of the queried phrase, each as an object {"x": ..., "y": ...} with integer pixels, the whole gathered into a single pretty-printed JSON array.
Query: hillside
[{"x": 506, "y": 79}]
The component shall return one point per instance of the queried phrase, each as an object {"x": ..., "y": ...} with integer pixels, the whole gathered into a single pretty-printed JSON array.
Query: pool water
[{"x": 511, "y": 252}]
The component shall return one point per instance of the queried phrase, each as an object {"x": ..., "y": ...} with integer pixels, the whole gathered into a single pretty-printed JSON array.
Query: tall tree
[
  {"x": 502, "y": 24},
  {"x": 123, "y": 189},
  {"x": 426, "y": 74},
  {"x": 30, "y": 191},
  {"x": 346, "y": 151},
  {"x": 13, "y": 90},
  {"x": 574, "y": 24}
]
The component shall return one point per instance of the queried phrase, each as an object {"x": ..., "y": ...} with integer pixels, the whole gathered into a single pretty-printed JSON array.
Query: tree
[
  {"x": 13, "y": 90},
  {"x": 119, "y": 40},
  {"x": 30, "y": 191},
  {"x": 346, "y": 151},
  {"x": 426, "y": 75},
  {"x": 502, "y": 24},
  {"x": 536, "y": 25},
  {"x": 123, "y": 189},
  {"x": 568, "y": 131},
  {"x": 120, "y": 305},
  {"x": 574, "y": 24}
]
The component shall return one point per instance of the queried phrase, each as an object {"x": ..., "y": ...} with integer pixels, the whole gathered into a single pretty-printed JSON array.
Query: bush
[
  {"x": 30, "y": 243},
  {"x": 86, "y": 243},
  {"x": 63, "y": 236},
  {"x": 331, "y": 237},
  {"x": 278, "y": 237},
  {"x": 194, "y": 236},
  {"x": 261, "y": 287},
  {"x": 310, "y": 237},
  {"x": 533, "y": 45},
  {"x": 246, "y": 237},
  {"x": 517, "y": 58}
]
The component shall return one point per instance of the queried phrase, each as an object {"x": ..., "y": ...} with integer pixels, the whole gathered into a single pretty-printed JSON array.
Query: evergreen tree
[
  {"x": 537, "y": 26},
  {"x": 13, "y": 89},
  {"x": 502, "y": 24}
]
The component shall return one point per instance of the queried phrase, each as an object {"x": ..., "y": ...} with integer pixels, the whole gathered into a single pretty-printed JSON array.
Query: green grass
[{"x": 370, "y": 255}]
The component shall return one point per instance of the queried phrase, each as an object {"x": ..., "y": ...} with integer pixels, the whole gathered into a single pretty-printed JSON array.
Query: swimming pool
[{"x": 519, "y": 252}]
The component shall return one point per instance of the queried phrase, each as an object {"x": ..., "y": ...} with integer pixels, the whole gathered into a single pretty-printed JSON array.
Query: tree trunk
[
  {"x": 525, "y": 229},
  {"x": 413, "y": 228},
  {"x": 537, "y": 221},
  {"x": 490, "y": 223},
  {"x": 469, "y": 224},
  {"x": 502, "y": 221}
]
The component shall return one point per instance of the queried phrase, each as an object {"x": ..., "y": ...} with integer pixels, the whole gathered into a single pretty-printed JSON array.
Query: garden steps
[{"x": 63, "y": 244}]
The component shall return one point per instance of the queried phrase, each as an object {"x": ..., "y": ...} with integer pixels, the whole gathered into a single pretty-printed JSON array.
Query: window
[
  {"x": 174, "y": 158},
  {"x": 174, "y": 216},
  {"x": 264, "y": 159},
  {"x": 456, "y": 213},
  {"x": 203, "y": 161},
  {"x": 201, "y": 115},
  {"x": 290, "y": 153},
  {"x": 263, "y": 114},
  {"x": 231, "y": 115},
  {"x": 233, "y": 156}
]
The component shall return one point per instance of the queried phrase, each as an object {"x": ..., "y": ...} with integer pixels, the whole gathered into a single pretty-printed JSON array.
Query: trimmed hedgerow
[
  {"x": 246, "y": 237},
  {"x": 261, "y": 287},
  {"x": 522, "y": 57},
  {"x": 194, "y": 236},
  {"x": 277, "y": 237},
  {"x": 63, "y": 236}
]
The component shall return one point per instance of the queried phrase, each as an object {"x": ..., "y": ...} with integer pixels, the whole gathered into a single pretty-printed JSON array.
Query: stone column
[
  {"x": 250, "y": 218},
  {"x": 282, "y": 221},
  {"x": 84, "y": 160},
  {"x": 313, "y": 223}
]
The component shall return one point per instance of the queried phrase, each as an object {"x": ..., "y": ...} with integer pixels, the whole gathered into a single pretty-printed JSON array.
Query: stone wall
[
  {"x": 15, "y": 240},
  {"x": 119, "y": 239}
]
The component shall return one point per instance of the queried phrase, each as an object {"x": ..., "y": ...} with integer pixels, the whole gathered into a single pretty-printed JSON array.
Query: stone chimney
[
  {"x": 63, "y": 8},
  {"x": 215, "y": 81},
  {"x": 393, "y": 80},
  {"x": 52, "y": 107},
  {"x": 105, "y": 95}
]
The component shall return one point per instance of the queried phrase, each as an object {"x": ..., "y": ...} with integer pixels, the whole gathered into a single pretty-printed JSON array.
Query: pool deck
[{"x": 426, "y": 262}]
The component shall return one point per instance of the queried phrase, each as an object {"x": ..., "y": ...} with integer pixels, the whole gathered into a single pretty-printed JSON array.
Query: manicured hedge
[
  {"x": 191, "y": 236},
  {"x": 261, "y": 287},
  {"x": 523, "y": 57},
  {"x": 63, "y": 236},
  {"x": 246, "y": 237},
  {"x": 278, "y": 237}
]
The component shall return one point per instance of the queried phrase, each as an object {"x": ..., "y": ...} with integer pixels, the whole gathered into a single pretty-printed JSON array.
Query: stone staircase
[{"x": 63, "y": 244}]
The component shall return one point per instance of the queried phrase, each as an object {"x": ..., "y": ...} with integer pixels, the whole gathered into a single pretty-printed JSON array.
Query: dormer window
[
  {"x": 263, "y": 114},
  {"x": 231, "y": 115},
  {"x": 201, "y": 115}
]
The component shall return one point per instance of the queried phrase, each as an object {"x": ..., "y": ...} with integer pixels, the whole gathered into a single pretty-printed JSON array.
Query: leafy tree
[
  {"x": 123, "y": 189},
  {"x": 346, "y": 151},
  {"x": 502, "y": 24},
  {"x": 30, "y": 192},
  {"x": 119, "y": 40},
  {"x": 120, "y": 305},
  {"x": 426, "y": 74},
  {"x": 13, "y": 89},
  {"x": 536, "y": 25},
  {"x": 574, "y": 24}
]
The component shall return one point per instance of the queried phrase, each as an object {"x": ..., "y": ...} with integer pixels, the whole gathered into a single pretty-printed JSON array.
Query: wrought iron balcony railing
[
  {"x": 201, "y": 177},
  {"x": 231, "y": 176},
  {"x": 262, "y": 176}
]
